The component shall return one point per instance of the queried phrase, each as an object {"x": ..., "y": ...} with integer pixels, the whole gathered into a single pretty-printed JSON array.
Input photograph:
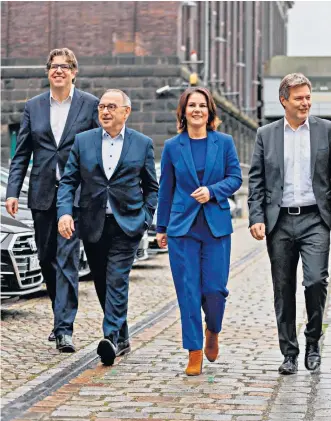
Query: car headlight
[{"x": 3, "y": 235}]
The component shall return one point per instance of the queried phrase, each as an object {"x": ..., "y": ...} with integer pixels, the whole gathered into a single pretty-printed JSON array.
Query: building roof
[{"x": 279, "y": 66}]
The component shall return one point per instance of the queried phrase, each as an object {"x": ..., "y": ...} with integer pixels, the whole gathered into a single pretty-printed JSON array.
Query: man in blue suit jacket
[
  {"x": 115, "y": 167},
  {"x": 48, "y": 128}
]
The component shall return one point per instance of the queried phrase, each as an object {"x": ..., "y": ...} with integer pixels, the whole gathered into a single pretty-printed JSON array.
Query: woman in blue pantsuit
[{"x": 199, "y": 172}]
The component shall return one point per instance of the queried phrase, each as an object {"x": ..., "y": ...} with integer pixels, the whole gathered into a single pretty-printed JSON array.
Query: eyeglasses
[
  {"x": 110, "y": 107},
  {"x": 63, "y": 67}
]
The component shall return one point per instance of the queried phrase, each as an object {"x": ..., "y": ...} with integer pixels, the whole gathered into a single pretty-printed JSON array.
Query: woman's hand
[
  {"x": 162, "y": 240},
  {"x": 202, "y": 194}
]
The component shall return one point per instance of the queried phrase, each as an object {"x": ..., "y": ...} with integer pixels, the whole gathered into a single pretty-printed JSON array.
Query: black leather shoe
[
  {"x": 64, "y": 344},
  {"x": 312, "y": 356},
  {"x": 290, "y": 365},
  {"x": 51, "y": 337},
  {"x": 123, "y": 348},
  {"x": 107, "y": 351}
]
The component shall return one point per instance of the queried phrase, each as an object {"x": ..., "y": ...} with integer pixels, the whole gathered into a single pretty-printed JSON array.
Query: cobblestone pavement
[
  {"x": 26, "y": 324},
  {"x": 149, "y": 383}
]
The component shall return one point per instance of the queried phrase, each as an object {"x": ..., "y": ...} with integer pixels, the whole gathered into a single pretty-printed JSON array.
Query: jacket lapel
[
  {"x": 187, "y": 155},
  {"x": 212, "y": 149},
  {"x": 98, "y": 147},
  {"x": 46, "y": 115},
  {"x": 76, "y": 105},
  {"x": 279, "y": 141},
  {"x": 314, "y": 138}
]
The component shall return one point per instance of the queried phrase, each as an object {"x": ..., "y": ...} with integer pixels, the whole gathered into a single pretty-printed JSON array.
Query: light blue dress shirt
[{"x": 111, "y": 152}]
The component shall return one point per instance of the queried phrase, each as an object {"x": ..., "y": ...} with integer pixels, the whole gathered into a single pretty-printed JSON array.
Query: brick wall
[{"x": 32, "y": 29}]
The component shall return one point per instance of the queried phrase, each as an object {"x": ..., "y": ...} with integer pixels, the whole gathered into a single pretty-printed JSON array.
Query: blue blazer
[
  {"x": 36, "y": 137},
  {"x": 176, "y": 208},
  {"x": 131, "y": 190}
]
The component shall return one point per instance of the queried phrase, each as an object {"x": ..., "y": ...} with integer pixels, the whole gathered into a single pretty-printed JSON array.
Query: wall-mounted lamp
[
  {"x": 231, "y": 93},
  {"x": 220, "y": 39},
  {"x": 189, "y": 3},
  {"x": 166, "y": 89}
]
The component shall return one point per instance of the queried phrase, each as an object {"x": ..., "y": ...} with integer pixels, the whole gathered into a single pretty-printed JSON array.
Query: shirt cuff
[
  {"x": 161, "y": 230},
  {"x": 211, "y": 192}
]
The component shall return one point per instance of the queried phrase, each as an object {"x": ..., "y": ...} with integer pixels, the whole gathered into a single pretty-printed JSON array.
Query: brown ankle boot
[
  {"x": 194, "y": 367},
  {"x": 211, "y": 345}
]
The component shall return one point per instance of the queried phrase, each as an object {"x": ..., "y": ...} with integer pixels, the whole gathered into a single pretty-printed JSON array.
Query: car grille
[{"x": 22, "y": 251}]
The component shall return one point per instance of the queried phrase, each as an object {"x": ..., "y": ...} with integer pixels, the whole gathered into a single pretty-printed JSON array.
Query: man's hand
[
  {"x": 162, "y": 240},
  {"x": 12, "y": 206},
  {"x": 258, "y": 231},
  {"x": 202, "y": 194},
  {"x": 66, "y": 226}
]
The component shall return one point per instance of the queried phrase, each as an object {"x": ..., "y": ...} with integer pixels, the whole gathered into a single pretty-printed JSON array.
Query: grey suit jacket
[{"x": 266, "y": 175}]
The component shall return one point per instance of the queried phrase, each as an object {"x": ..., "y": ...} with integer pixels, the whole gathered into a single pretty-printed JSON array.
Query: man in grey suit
[{"x": 290, "y": 203}]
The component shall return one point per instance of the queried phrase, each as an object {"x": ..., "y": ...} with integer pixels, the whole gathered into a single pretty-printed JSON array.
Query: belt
[
  {"x": 299, "y": 210},
  {"x": 110, "y": 215},
  {"x": 57, "y": 182}
]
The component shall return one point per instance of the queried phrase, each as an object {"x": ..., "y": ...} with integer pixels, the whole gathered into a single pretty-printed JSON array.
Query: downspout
[{"x": 206, "y": 58}]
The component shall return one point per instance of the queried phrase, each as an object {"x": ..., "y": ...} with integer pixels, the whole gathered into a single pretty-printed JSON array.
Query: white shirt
[
  {"x": 111, "y": 152},
  {"x": 298, "y": 188},
  {"x": 59, "y": 115}
]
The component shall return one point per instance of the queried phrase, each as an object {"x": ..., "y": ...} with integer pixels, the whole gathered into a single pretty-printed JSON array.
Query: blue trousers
[
  {"x": 110, "y": 261},
  {"x": 200, "y": 268},
  {"x": 59, "y": 261},
  {"x": 67, "y": 278}
]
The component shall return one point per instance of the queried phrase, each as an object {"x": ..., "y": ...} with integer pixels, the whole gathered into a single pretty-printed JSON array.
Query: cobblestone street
[{"x": 149, "y": 383}]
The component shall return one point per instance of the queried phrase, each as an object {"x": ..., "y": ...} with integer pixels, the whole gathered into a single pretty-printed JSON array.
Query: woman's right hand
[{"x": 162, "y": 240}]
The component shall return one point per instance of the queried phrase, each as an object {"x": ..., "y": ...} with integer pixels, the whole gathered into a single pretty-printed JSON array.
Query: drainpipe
[{"x": 206, "y": 55}]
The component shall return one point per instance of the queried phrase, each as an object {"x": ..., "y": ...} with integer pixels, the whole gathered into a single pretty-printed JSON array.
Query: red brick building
[{"x": 93, "y": 28}]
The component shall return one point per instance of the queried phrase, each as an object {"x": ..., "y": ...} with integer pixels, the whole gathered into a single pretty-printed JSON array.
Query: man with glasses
[
  {"x": 115, "y": 167},
  {"x": 48, "y": 128}
]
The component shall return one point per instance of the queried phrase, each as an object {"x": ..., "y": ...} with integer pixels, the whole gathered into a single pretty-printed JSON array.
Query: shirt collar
[
  {"x": 71, "y": 94},
  {"x": 121, "y": 133},
  {"x": 287, "y": 124}
]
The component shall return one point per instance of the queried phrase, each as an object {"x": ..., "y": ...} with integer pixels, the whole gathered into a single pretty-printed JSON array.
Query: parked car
[
  {"x": 20, "y": 270},
  {"x": 24, "y": 216},
  {"x": 142, "y": 251}
]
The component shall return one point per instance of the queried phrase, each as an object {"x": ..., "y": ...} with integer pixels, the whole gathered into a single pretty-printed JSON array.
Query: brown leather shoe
[
  {"x": 211, "y": 345},
  {"x": 194, "y": 367}
]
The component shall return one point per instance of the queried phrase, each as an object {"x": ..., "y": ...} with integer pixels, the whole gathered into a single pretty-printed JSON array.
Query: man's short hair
[
  {"x": 126, "y": 99},
  {"x": 290, "y": 81},
  {"x": 69, "y": 55}
]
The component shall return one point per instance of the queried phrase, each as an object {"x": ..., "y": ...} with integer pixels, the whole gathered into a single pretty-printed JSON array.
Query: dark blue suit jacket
[
  {"x": 176, "y": 208},
  {"x": 35, "y": 136},
  {"x": 131, "y": 190}
]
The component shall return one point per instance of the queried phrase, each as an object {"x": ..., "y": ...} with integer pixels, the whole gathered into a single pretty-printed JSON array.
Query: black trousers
[
  {"x": 110, "y": 260},
  {"x": 59, "y": 261},
  {"x": 308, "y": 237}
]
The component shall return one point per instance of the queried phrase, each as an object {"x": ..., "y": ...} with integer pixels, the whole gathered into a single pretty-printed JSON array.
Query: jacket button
[{"x": 279, "y": 206}]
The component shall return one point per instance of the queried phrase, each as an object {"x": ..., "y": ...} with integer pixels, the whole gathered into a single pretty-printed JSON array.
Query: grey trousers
[{"x": 304, "y": 235}]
